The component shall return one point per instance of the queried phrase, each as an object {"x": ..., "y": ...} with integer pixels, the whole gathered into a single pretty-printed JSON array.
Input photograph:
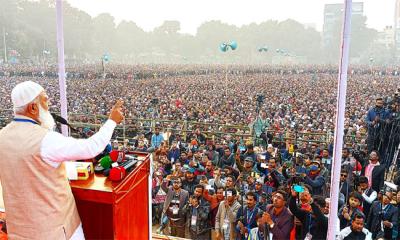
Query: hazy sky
[{"x": 148, "y": 14}]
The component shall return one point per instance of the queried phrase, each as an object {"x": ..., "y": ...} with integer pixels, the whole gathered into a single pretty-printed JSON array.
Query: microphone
[
  {"x": 119, "y": 173},
  {"x": 117, "y": 156},
  {"x": 62, "y": 120}
]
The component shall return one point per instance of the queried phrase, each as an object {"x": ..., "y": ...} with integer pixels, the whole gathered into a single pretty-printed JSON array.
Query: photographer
[
  {"x": 383, "y": 216},
  {"x": 373, "y": 119},
  {"x": 351, "y": 166},
  {"x": 246, "y": 168},
  {"x": 260, "y": 126}
]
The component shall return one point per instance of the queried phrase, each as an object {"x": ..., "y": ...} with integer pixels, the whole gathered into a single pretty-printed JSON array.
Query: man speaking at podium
[{"x": 38, "y": 199}]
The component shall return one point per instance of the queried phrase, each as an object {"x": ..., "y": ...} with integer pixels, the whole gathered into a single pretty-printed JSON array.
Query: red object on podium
[{"x": 115, "y": 210}]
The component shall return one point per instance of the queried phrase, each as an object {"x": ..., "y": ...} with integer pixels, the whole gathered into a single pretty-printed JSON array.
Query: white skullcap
[{"x": 24, "y": 93}]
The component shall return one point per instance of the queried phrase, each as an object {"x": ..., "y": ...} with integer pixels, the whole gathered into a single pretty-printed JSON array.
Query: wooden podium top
[{"x": 98, "y": 187}]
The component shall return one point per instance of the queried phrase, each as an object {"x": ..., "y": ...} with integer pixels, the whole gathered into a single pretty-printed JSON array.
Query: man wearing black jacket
[
  {"x": 356, "y": 230},
  {"x": 199, "y": 228},
  {"x": 383, "y": 212},
  {"x": 315, "y": 223},
  {"x": 374, "y": 171}
]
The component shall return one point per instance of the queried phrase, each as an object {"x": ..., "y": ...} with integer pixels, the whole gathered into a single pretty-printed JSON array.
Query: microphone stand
[
  {"x": 63, "y": 121},
  {"x": 266, "y": 231}
]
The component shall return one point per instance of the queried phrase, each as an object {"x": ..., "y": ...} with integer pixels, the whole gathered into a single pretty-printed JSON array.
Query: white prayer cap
[{"x": 24, "y": 93}]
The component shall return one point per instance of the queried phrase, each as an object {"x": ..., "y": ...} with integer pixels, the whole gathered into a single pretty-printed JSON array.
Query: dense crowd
[{"x": 234, "y": 188}]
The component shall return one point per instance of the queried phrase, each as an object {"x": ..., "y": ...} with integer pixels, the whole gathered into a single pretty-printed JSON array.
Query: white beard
[{"x": 45, "y": 118}]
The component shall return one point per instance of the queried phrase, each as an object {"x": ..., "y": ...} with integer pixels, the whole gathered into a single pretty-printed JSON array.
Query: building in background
[
  {"x": 386, "y": 37},
  {"x": 333, "y": 14},
  {"x": 396, "y": 31}
]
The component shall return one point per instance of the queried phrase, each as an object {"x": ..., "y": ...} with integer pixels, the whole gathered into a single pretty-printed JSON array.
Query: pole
[
  {"x": 5, "y": 45},
  {"x": 226, "y": 80},
  {"x": 61, "y": 65},
  {"x": 339, "y": 130}
]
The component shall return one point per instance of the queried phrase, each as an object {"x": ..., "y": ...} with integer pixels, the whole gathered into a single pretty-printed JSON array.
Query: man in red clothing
[{"x": 214, "y": 201}]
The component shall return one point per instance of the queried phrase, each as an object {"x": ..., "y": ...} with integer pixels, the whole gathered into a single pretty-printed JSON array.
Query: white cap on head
[{"x": 24, "y": 93}]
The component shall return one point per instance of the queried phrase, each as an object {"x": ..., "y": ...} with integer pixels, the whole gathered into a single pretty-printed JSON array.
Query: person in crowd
[
  {"x": 225, "y": 220},
  {"x": 326, "y": 159},
  {"x": 374, "y": 118},
  {"x": 158, "y": 196},
  {"x": 209, "y": 169},
  {"x": 258, "y": 232},
  {"x": 174, "y": 152},
  {"x": 246, "y": 216},
  {"x": 175, "y": 206},
  {"x": 314, "y": 179},
  {"x": 229, "y": 181},
  {"x": 214, "y": 201},
  {"x": 374, "y": 171},
  {"x": 260, "y": 125},
  {"x": 344, "y": 186},
  {"x": 383, "y": 218},
  {"x": 246, "y": 168},
  {"x": 190, "y": 181},
  {"x": 228, "y": 159},
  {"x": 315, "y": 223},
  {"x": 356, "y": 231},
  {"x": 199, "y": 228},
  {"x": 349, "y": 209},
  {"x": 156, "y": 138},
  {"x": 279, "y": 220},
  {"x": 368, "y": 194}
]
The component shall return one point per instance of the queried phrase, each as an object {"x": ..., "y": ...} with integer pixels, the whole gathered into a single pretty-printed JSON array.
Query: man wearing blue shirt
[
  {"x": 374, "y": 118},
  {"x": 157, "y": 138}
]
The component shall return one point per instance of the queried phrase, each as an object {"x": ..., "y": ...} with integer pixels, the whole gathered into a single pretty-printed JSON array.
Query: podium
[{"x": 115, "y": 210}]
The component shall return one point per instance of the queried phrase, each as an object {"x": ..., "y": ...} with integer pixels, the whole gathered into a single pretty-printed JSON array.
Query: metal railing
[{"x": 134, "y": 126}]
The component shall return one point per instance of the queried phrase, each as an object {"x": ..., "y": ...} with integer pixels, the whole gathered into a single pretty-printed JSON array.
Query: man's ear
[{"x": 33, "y": 108}]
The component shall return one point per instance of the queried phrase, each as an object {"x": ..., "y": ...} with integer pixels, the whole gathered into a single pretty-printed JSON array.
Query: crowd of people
[{"x": 239, "y": 188}]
